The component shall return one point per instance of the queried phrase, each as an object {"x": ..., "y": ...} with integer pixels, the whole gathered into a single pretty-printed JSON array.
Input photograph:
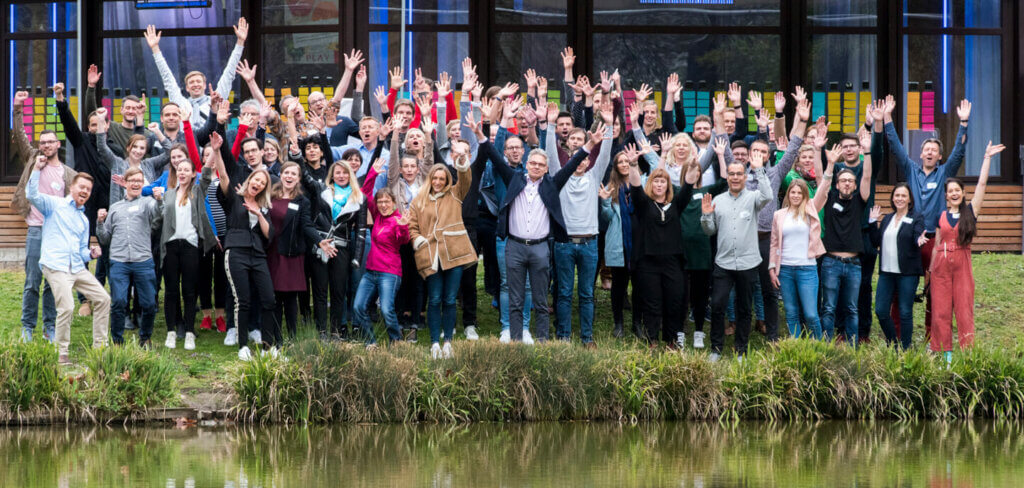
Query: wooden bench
[
  {"x": 12, "y": 225},
  {"x": 999, "y": 226}
]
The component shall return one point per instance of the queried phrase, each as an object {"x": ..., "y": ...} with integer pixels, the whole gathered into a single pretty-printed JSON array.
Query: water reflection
[{"x": 925, "y": 454}]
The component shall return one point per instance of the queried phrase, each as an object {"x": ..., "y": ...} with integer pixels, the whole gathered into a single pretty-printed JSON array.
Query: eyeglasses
[
  {"x": 134, "y": 181},
  {"x": 48, "y": 142}
]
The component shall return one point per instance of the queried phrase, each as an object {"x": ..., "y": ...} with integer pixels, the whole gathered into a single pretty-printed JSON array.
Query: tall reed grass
[{"x": 488, "y": 381}]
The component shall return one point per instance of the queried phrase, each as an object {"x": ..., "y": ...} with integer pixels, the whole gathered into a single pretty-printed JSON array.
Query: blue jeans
[
  {"x": 905, "y": 287},
  {"x": 730, "y": 311},
  {"x": 799, "y": 286},
  {"x": 842, "y": 286},
  {"x": 33, "y": 278},
  {"x": 384, "y": 285},
  {"x": 121, "y": 275},
  {"x": 355, "y": 276},
  {"x": 442, "y": 290},
  {"x": 499, "y": 251},
  {"x": 569, "y": 258}
]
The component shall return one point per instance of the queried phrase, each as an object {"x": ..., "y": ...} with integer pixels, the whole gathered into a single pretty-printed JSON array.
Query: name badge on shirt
[
  {"x": 837, "y": 206},
  {"x": 744, "y": 214},
  {"x": 908, "y": 220},
  {"x": 293, "y": 206},
  {"x": 931, "y": 185},
  {"x": 55, "y": 185},
  {"x": 698, "y": 196},
  {"x": 133, "y": 208}
]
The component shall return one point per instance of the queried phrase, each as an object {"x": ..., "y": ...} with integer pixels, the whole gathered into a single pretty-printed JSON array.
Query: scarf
[
  {"x": 341, "y": 195},
  {"x": 625, "y": 215}
]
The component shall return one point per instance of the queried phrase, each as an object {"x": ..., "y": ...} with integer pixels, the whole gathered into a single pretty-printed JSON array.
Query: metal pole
[{"x": 402, "y": 60}]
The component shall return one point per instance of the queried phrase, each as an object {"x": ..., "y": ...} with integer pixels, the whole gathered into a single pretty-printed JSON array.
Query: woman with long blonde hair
[
  {"x": 678, "y": 156},
  {"x": 795, "y": 247}
]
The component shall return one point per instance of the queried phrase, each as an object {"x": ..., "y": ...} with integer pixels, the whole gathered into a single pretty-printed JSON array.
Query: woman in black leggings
[{"x": 247, "y": 208}]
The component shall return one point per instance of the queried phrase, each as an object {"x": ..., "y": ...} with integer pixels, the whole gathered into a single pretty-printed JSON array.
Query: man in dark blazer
[{"x": 529, "y": 215}]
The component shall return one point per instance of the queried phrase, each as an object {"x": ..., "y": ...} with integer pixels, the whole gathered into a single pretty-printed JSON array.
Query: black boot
[{"x": 617, "y": 331}]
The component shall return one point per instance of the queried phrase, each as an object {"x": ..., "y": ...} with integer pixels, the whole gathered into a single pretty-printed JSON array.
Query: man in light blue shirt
[
  {"x": 65, "y": 255},
  {"x": 369, "y": 131}
]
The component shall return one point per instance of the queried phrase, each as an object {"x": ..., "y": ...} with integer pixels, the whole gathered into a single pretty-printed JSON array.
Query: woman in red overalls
[{"x": 952, "y": 279}]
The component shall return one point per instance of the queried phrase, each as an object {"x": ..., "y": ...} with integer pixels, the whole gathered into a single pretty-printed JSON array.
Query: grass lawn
[{"x": 999, "y": 321}]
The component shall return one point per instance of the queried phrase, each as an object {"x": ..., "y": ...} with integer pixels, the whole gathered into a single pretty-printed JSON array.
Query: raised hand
[
  {"x": 467, "y": 68},
  {"x": 397, "y": 81},
  {"x": 631, "y": 153},
  {"x": 216, "y": 141},
  {"x": 672, "y": 85},
  {"x": 241, "y": 30},
  {"x": 118, "y": 180},
  {"x": 780, "y": 102},
  {"x": 353, "y": 60},
  {"x": 529, "y": 116},
  {"x": 387, "y": 127},
  {"x": 361, "y": 78},
  {"x": 508, "y": 90},
  {"x": 152, "y": 38},
  {"x": 378, "y": 165},
  {"x": 58, "y": 91},
  {"x": 40, "y": 162},
  {"x": 762, "y": 119},
  {"x": 706, "y": 207},
  {"x": 243, "y": 70},
  {"x": 443, "y": 85},
  {"x": 964, "y": 111},
  {"x": 756, "y": 160},
  {"x": 890, "y": 105},
  {"x": 833, "y": 155},
  {"x": 247, "y": 120},
  {"x": 185, "y": 110},
  {"x": 473, "y": 125},
  {"x": 865, "y": 140},
  {"x": 875, "y": 214},
  {"x": 634, "y": 114},
  {"x": 101, "y": 215},
  {"x": 800, "y": 94},
  {"x": 20, "y": 97},
  {"x": 381, "y": 95},
  {"x": 991, "y": 150},
  {"x": 719, "y": 103},
  {"x": 596, "y": 136},
  {"x": 869, "y": 118},
  {"x": 604, "y": 192},
  {"x": 568, "y": 58},
  {"x": 93, "y": 75},
  {"x": 606, "y": 113},
  {"x": 781, "y": 142},
  {"x": 719, "y": 146},
  {"x": 821, "y": 133},
  {"x": 644, "y": 92},
  {"x": 606, "y": 82},
  {"x": 531, "y": 78},
  {"x": 552, "y": 112},
  {"x": 754, "y": 100},
  {"x": 803, "y": 109},
  {"x": 154, "y": 127},
  {"x": 877, "y": 110},
  {"x": 735, "y": 94},
  {"x": 419, "y": 82},
  {"x": 542, "y": 88},
  {"x": 664, "y": 142}
]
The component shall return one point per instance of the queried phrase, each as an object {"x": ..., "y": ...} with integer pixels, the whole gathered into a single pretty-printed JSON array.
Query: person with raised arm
[
  {"x": 54, "y": 179},
  {"x": 952, "y": 277},
  {"x": 66, "y": 253},
  {"x": 927, "y": 179},
  {"x": 732, "y": 215},
  {"x": 195, "y": 81},
  {"x": 841, "y": 267},
  {"x": 529, "y": 215},
  {"x": 765, "y": 216},
  {"x": 246, "y": 207}
]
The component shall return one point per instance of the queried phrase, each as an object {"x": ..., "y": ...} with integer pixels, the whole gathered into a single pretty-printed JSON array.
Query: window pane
[
  {"x": 843, "y": 75},
  {"x": 419, "y": 11},
  {"x": 122, "y": 15},
  {"x": 518, "y": 51},
  {"x": 291, "y": 12},
  {"x": 135, "y": 71},
  {"x": 705, "y": 62},
  {"x": 518, "y": 12},
  {"x": 295, "y": 61},
  {"x": 43, "y": 17},
  {"x": 687, "y": 12},
  {"x": 35, "y": 67},
  {"x": 843, "y": 13},
  {"x": 934, "y": 88},
  {"x": 951, "y": 13},
  {"x": 434, "y": 52}
]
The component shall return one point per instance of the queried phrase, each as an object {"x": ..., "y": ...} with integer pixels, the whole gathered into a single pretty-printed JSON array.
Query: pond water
[{"x": 835, "y": 454}]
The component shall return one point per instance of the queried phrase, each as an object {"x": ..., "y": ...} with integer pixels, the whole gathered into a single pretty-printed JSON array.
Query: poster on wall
[{"x": 312, "y": 47}]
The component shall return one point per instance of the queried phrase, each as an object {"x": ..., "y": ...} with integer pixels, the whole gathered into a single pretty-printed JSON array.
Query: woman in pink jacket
[
  {"x": 795, "y": 246},
  {"x": 383, "y": 273}
]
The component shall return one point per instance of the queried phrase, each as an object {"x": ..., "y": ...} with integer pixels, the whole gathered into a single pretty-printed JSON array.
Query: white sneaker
[
  {"x": 190, "y": 341},
  {"x": 714, "y": 357},
  {"x": 244, "y": 354},
  {"x": 172, "y": 340},
  {"x": 527, "y": 338},
  {"x": 255, "y": 336},
  {"x": 435, "y": 351},
  {"x": 446, "y": 351},
  {"x": 273, "y": 352},
  {"x": 471, "y": 333},
  {"x": 505, "y": 337},
  {"x": 681, "y": 339},
  {"x": 231, "y": 338},
  {"x": 698, "y": 340}
]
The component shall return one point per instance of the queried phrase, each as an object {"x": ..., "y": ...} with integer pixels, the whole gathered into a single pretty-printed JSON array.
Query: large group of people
[{"x": 351, "y": 219}]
